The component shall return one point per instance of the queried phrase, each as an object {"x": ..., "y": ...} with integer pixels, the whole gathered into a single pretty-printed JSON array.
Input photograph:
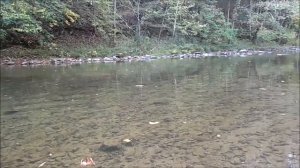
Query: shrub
[
  {"x": 267, "y": 21},
  {"x": 266, "y": 35},
  {"x": 31, "y": 23}
]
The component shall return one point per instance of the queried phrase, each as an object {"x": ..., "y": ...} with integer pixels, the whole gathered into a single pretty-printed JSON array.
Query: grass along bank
[{"x": 128, "y": 47}]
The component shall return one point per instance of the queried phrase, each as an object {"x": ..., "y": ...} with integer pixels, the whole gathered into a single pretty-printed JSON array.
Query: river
[{"x": 202, "y": 113}]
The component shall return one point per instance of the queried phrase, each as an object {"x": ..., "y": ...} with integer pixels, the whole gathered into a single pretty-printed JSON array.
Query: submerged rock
[
  {"x": 110, "y": 148},
  {"x": 128, "y": 142},
  {"x": 10, "y": 112}
]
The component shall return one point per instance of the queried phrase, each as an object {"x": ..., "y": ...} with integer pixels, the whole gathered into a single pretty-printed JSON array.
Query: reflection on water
[{"x": 214, "y": 112}]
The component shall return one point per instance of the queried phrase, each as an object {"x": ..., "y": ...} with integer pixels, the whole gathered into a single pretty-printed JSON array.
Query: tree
[{"x": 175, "y": 17}]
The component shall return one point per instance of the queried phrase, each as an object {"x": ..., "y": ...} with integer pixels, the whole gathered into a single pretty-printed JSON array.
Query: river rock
[
  {"x": 153, "y": 57},
  {"x": 97, "y": 60},
  {"x": 110, "y": 148},
  {"x": 108, "y": 59},
  {"x": 236, "y": 160},
  {"x": 10, "y": 63},
  {"x": 123, "y": 58}
]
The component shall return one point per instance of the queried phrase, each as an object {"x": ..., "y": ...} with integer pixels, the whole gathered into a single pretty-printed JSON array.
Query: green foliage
[
  {"x": 272, "y": 18},
  {"x": 266, "y": 35},
  {"x": 33, "y": 22},
  {"x": 296, "y": 25},
  {"x": 3, "y": 34},
  {"x": 18, "y": 19},
  {"x": 197, "y": 20}
]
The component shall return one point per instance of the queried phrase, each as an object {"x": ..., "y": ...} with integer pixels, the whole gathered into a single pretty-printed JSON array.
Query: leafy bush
[
  {"x": 194, "y": 20},
  {"x": 267, "y": 20},
  {"x": 266, "y": 35},
  {"x": 32, "y": 22}
]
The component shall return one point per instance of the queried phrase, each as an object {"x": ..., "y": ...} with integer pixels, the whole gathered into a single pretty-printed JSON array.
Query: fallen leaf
[
  {"x": 42, "y": 164},
  {"x": 139, "y": 86},
  {"x": 127, "y": 140}
]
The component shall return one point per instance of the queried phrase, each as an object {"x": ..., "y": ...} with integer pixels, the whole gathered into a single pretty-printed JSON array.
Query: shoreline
[{"x": 146, "y": 58}]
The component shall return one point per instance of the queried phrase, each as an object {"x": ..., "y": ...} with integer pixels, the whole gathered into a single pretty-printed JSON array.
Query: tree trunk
[
  {"x": 228, "y": 11},
  {"x": 139, "y": 20},
  {"x": 250, "y": 20},
  {"x": 235, "y": 12},
  {"x": 115, "y": 13},
  {"x": 175, "y": 19}
]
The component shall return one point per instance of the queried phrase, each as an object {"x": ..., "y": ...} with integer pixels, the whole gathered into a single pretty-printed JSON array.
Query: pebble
[{"x": 218, "y": 135}]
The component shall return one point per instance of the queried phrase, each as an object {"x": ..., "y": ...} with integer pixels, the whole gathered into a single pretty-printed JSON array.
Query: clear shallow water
[{"x": 213, "y": 112}]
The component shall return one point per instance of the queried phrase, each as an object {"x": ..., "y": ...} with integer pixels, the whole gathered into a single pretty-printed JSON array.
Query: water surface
[{"x": 212, "y": 112}]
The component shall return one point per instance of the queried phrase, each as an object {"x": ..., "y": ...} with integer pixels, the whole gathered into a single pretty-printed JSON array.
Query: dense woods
[{"x": 34, "y": 23}]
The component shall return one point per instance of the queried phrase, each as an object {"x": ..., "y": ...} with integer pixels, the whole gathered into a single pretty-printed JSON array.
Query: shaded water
[{"x": 213, "y": 112}]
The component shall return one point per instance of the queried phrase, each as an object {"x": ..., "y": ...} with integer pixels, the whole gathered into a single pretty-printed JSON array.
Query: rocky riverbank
[{"x": 145, "y": 58}]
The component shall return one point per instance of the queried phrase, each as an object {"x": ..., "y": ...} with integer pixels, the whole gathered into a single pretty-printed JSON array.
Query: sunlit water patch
[{"x": 212, "y": 112}]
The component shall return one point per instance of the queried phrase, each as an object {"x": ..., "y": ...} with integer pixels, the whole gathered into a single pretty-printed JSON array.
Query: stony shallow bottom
[{"x": 213, "y": 112}]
